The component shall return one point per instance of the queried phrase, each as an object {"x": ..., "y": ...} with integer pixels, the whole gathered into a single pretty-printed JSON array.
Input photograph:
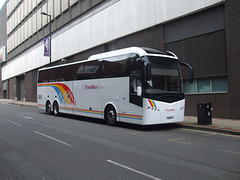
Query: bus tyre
[
  {"x": 110, "y": 116},
  {"x": 55, "y": 109},
  {"x": 48, "y": 107}
]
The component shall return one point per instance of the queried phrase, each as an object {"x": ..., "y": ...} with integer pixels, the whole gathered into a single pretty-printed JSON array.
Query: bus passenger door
[
  {"x": 129, "y": 112},
  {"x": 136, "y": 82}
]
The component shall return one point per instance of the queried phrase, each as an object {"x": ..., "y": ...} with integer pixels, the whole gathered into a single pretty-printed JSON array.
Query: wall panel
[
  {"x": 29, "y": 6},
  {"x": 44, "y": 18},
  {"x": 72, "y": 2},
  {"x": 39, "y": 19},
  {"x": 51, "y": 8},
  {"x": 57, "y": 8},
  {"x": 25, "y": 8},
  {"x": 34, "y": 4},
  {"x": 65, "y": 5},
  {"x": 25, "y": 30},
  {"x": 34, "y": 23}
]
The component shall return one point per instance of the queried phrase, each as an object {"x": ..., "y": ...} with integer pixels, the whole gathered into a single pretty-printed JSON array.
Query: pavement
[{"x": 231, "y": 126}]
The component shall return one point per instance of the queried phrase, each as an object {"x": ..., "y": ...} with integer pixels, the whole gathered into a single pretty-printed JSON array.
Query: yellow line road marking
[
  {"x": 176, "y": 140},
  {"x": 231, "y": 152},
  {"x": 128, "y": 132},
  {"x": 209, "y": 133}
]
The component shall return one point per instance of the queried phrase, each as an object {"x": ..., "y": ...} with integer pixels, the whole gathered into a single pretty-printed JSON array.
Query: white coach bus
[{"x": 134, "y": 85}]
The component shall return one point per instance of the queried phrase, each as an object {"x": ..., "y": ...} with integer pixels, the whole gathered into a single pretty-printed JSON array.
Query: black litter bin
[{"x": 204, "y": 112}]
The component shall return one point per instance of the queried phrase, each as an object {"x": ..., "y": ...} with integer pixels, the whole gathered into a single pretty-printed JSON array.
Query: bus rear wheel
[
  {"x": 110, "y": 116},
  {"x": 55, "y": 109}
]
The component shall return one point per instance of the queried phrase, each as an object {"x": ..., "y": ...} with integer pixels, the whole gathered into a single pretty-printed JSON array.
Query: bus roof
[
  {"x": 137, "y": 50},
  {"x": 141, "y": 51}
]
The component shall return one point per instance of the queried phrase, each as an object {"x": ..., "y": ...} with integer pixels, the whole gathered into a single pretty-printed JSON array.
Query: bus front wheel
[{"x": 110, "y": 116}]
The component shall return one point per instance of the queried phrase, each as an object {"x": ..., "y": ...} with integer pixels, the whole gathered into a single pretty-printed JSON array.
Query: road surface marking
[
  {"x": 211, "y": 133},
  {"x": 128, "y": 132},
  {"x": 57, "y": 140},
  {"x": 133, "y": 170},
  {"x": 229, "y": 151},
  {"x": 24, "y": 116},
  {"x": 13, "y": 122},
  {"x": 176, "y": 140}
]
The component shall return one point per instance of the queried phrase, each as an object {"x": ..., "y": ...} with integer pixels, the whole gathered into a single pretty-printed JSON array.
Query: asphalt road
[{"x": 34, "y": 145}]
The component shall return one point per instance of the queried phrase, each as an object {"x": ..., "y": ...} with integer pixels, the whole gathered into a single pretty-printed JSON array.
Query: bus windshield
[{"x": 165, "y": 83}]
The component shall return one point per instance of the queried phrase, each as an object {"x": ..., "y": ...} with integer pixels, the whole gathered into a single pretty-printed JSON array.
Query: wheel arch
[
  {"x": 55, "y": 101},
  {"x": 114, "y": 106},
  {"x": 48, "y": 102}
]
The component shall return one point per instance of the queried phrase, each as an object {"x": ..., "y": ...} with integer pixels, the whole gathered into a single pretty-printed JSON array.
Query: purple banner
[{"x": 46, "y": 41}]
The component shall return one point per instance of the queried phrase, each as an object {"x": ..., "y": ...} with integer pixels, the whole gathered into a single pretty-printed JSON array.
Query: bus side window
[{"x": 135, "y": 81}]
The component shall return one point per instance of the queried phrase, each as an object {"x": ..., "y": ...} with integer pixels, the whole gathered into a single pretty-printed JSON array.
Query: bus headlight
[{"x": 153, "y": 109}]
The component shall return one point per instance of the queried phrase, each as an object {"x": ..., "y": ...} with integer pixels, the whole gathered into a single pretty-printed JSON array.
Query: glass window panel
[
  {"x": 219, "y": 84},
  {"x": 189, "y": 87},
  {"x": 204, "y": 85}
]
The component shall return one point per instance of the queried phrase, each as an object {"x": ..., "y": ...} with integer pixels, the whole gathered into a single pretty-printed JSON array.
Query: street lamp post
[{"x": 50, "y": 35}]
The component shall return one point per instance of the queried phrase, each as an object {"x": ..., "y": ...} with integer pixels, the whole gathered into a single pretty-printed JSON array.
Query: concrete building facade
[{"x": 204, "y": 33}]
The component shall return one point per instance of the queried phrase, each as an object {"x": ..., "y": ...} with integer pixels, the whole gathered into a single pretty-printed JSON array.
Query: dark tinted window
[
  {"x": 55, "y": 74},
  {"x": 87, "y": 70},
  {"x": 119, "y": 66}
]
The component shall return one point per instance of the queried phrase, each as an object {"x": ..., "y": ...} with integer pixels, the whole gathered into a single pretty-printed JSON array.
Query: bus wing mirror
[
  {"x": 139, "y": 91},
  {"x": 190, "y": 70}
]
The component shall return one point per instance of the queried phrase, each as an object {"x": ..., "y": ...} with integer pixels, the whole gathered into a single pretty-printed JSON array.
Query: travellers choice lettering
[
  {"x": 92, "y": 87},
  {"x": 170, "y": 109}
]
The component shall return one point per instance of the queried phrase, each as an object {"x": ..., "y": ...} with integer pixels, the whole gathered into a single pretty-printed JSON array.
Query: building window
[
  {"x": 190, "y": 88},
  {"x": 206, "y": 85},
  {"x": 203, "y": 86},
  {"x": 219, "y": 84}
]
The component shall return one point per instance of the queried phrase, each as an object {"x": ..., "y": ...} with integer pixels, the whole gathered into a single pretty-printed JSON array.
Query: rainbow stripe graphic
[
  {"x": 63, "y": 91},
  {"x": 130, "y": 116},
  {"x": 152, "y": 103},
  {"x": 88, "y": 111}
]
